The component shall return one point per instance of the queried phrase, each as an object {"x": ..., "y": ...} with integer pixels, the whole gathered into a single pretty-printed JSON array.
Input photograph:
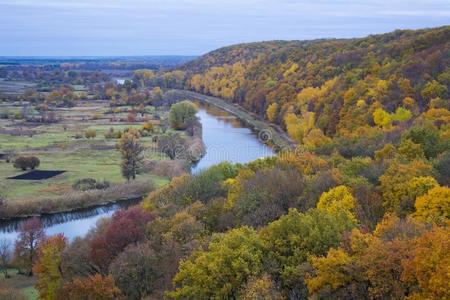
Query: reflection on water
[{"x": 226, "y": 139}]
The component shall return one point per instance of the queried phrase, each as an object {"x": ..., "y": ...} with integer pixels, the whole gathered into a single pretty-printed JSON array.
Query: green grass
[
  {"x": 57, "y": 149},
  {"x": 31, "y": 293}
]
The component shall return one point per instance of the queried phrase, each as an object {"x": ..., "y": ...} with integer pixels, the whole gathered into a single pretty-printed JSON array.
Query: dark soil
[{"x": 37, "y": 175}]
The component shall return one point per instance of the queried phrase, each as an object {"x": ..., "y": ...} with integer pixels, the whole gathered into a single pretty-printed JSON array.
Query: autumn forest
[{"x": 354, "y": 205}]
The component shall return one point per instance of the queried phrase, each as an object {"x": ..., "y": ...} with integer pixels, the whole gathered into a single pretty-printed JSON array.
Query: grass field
[
  {"x": 59, "y": 147},
  {"x": 19, "y": 282}
]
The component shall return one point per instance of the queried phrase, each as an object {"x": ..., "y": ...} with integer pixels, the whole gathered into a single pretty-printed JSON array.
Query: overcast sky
[{"x": 192, "y": 27}]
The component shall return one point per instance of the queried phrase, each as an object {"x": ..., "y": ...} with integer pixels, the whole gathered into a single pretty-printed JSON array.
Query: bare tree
[{"x": 5, "y": 255}]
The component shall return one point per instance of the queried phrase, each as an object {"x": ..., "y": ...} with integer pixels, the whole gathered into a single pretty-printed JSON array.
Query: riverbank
[
  {"x": 270, "y": 134},
  {"x": 75, "y": 200}
]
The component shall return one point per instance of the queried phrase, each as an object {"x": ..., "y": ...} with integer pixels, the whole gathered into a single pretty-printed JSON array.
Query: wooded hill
[{"x": 341, "y": 81}]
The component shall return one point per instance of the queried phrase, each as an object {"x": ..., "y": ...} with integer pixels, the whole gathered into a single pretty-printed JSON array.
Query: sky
[{"x": 194, "y": 27}]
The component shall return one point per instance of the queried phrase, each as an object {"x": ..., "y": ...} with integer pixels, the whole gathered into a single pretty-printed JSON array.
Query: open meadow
[{"x": 81, "y": 141}]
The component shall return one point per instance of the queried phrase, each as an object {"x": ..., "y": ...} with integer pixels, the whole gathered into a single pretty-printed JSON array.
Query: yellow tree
[
  {"x": 338, "y": 200},
  {"x": 434, "y": 206},
  {"x": 48, "y": 267}
]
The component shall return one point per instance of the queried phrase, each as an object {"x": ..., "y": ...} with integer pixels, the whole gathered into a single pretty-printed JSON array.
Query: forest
[{"x": 360, "y": 209}]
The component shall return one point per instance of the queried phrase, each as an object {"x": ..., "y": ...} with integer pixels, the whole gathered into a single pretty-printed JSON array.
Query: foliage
[
  {"x": 26, "y": 162},
  {"x": 434, "y": 206},
  {"x": 48, "y": 267},
  {"x": 172, "y": 145},
  {"x": 338, "y": 200},
  {"x": 92, "y": 287},
  {"x": 428, "y": 266},
  {"x": 293, "y": 238},
  {"x": 220, "y": 272},
  {"x": 394, "y": 184},
  {"x": 86, "y": 184},
  {"x": 131, "y": 151},
  {"x": 135, "y": 271},
  {"x": 181, "y": 114},
  {"x": 90, "y": 133},
  {"x": 31, "y": 235},
  {"x": 261, "y": 288},
  {"x": 126, "y": 227}
]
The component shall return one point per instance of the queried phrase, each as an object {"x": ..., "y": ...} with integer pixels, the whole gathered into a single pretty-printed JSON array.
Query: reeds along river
[{"x": 226, "y": 139}]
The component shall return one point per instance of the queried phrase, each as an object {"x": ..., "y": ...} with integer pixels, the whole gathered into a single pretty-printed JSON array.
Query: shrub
[
  {"x": 86, "y": 184},
  {"x": 90, "y": 133},
  {"x": 111, "y": 134},
  {"x": 26, "y": 162}
]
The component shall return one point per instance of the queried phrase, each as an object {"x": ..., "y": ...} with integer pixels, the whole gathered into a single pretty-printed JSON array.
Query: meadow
[{"x": 63, "y": 146}]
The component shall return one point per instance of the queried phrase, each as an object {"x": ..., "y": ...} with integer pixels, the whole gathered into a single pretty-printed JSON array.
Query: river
[{"x": 226, "y": 139}]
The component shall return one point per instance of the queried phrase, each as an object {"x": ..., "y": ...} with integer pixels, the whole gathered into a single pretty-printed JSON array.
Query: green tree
[
  {"x": 182, "y": 114},
  {"x": 290, "y": 240}
]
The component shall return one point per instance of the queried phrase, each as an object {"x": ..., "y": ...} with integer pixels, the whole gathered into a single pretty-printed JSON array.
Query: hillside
[{"x": 341, "y": 81}]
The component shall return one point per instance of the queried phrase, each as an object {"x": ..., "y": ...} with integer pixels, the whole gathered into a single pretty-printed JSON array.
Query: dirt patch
[{"x": 37, "y": 175}]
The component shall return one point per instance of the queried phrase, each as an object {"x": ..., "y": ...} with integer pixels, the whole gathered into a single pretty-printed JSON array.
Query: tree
[
  {"x": 336, "y": 275},
  {"x": 5, "y": 255},
  {"x": 434, "y": 89},
  {"x": 172, "y": 145},
  {"x": 429, "y": 265},
  {"x": 76, "y": 259},
  {"x": 126, "y": 227},
  {"x": 90, "y": 133},
  {"x": 260, "y": 288},
  {"x": 25, "y": 162},
  {"x": 181, "y": 114},
  {"x": 48, "y": 267},
  {"x": 260, "y": 197},
  {"x": 382, "y": 118},
  {"x": 131, "y": 150},
  {"x": 272, "y": 112},
  {"x": 222, "y": 270},
  {"x": 136, "y": 271},
  {"x": 338, "y": 200},
  {"x": 95, "y": 287},
  {"x": 394, "y": 184},
  {"x": 31, "y": 235},
  {"x": 290, "y": 240},
  {"x": 428, "y": 137},
  {"x": 434, "y": 206}
]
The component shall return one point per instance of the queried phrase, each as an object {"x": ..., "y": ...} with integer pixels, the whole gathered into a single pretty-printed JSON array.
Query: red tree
[{"x": 126, "y": 227}]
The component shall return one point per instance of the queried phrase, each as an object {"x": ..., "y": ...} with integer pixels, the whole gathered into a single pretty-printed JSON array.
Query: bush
[
  {"x": 90, "y": 133},
  {"x": 86, "y": 184},
  {"x": 26, "y": 162},
  {"x": 111, "y": 134}
]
